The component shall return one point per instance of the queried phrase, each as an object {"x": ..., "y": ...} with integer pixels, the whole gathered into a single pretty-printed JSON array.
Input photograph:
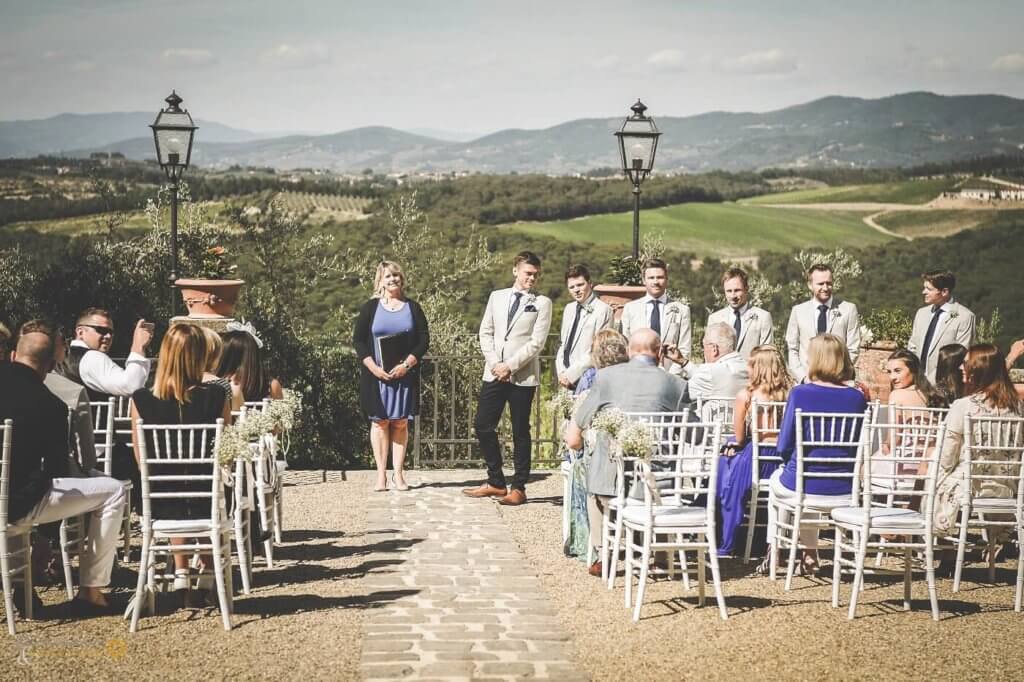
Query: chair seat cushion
[
  {"x": 889, "y": 518},
  {"x": 667, "y": 516},
  {"x": 282, "y": 465},
  {"x": 182, "y": 526},
  {"x": 1002, "y": 505}
]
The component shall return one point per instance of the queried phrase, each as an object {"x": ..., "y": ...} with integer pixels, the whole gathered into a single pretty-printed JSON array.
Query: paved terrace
[{"x": 430, "y": 585}]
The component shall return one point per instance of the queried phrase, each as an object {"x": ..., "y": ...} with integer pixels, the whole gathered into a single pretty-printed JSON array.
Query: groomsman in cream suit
[
  {"x": 823, "y": 314},
  {"x": 940, "y": 322},
  {"x": 513, "y": 332},
  {"x": 670, "y": 319},
  {"x": 753, "y": 325},
  {"x": 583, "y": 318}
]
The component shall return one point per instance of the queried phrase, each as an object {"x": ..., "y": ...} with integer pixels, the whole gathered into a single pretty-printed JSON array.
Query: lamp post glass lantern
[
  {"x": 173, "y": 131},
  {"x": 638, "y": 143}
]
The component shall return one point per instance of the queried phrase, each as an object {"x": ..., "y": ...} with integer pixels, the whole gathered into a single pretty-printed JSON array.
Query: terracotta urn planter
[
  {"x": 617, "y": 296},
  {"x": 210, "y": 298},
  {"x": 871, "y": 368}
]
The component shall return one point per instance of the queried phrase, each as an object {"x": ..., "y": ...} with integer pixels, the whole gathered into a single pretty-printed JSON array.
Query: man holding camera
[{"x": 89, "y": 364}]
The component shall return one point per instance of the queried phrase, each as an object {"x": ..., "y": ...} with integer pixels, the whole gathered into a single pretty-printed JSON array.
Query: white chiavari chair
[
  {"x": 765, "y": 418},
  {"x": 107, "y": 426},
  {"x": 668, "y": 521},
  {"x": 15, "y": 557},
  {"x": 799, "y": 511},
  {"x": 720, "y": 408},
  {"x": 189, "y": 449},
  {"x": 993, "y": 491},
  {"x": 907, "y": 471},
  {"x": 71, "y": 536},
  {"x": 280, "y": 465}
]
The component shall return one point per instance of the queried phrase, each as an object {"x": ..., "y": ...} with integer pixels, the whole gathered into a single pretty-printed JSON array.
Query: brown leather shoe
[
  {"x": 514, "y": 498},
  {"x": 485, "y": 490},
  {"x": 595, "y": 569}
]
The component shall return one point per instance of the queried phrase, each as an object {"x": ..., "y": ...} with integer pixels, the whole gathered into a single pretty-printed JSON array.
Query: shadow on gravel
[
  {"x": 475, "y": 481},
  {"x": 302, "y": 535},
  {"x": 949, "y": 609},
  {"x": 306, "y": 573},
  {"x": 272, "y": 606},
  {"x": 326, "y": 551}
]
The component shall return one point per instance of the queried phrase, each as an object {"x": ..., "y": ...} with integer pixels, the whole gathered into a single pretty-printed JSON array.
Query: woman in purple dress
[
  {"x": 769, "y": 382},
  {"x": 389, "y": 396}
]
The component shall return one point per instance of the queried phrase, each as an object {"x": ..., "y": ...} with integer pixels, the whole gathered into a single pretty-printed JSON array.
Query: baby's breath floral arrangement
[
  {"x": 276, "y": 418},
  {"x": 563, "y": 404},
  {"x": 631, "y": 438}
]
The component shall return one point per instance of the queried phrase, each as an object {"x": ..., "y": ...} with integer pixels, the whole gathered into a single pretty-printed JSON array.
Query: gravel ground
[
  {"x": 303, "y": 618},
  {"x": 795, "y": 635}
]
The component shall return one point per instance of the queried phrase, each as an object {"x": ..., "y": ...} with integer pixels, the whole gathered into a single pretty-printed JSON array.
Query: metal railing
[{"x": 443, "y": 435}]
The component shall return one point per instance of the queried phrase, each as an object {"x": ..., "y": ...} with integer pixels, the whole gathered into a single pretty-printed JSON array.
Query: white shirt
[
  {"x": 512, "y": 298},
  {"x": 648, "y": 308},
  {"x": 102, "y": 374}
]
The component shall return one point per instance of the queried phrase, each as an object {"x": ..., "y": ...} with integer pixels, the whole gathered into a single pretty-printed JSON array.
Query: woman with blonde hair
[
  {"x": 391, "y": 337},
  {"x": 180, "y": 396},
  {"x": 769, "y": 381}
]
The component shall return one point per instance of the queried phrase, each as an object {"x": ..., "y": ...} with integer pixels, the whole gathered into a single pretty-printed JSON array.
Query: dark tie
[
  {"x": 822, "y": 312},
  {"x": 655, "y": 317},
  {"x": 514, "y": 308},
  {"x": 736, "y": 323},
  {"x": 572, "y": 335},
  {"x": 936, "y": 314}
]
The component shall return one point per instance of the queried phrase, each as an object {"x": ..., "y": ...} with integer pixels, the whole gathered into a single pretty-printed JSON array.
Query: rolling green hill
[
  {"x": 721, "y": 230},
  {"x": 943, "y": 223},
  {"x": 909, "y": 192}
]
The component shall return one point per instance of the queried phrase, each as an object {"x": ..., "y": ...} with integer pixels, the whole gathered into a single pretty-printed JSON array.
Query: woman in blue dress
[
  {"x": 389, "y": 396},
  {"x": 769, "y": 382}
]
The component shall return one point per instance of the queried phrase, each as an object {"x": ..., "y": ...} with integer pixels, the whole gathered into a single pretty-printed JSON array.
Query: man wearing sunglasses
[{"x": 89, "y": 364}]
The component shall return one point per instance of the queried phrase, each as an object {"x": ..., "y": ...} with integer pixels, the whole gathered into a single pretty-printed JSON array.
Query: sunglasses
[{"x": 101, "y": 330}]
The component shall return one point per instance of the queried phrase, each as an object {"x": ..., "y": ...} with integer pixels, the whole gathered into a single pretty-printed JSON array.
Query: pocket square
[{"x": 530, "y": 309}]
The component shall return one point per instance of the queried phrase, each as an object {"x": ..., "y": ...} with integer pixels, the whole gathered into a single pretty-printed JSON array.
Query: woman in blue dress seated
[
  {"x": 389, "y": 396},
  {"x": 829, "y": 370},
  {"x": 769, "y": 382}
]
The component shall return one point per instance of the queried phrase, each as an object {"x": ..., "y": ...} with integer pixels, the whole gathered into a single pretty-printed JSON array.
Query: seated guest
[
  {"x": 724, "y": 372},
  {"x": 88, "y": 361},
  {"x": 988, "y": 392},
  {"x": 77, "y": 400},
  {"x": 639, "y": 385},
  {"x": 214, "y": 349},
  {"x": 1016, "y": 350},
  {"x": 240, "y": 362},
  {"x": 829, "y": 368},
  {"x": 949, "y": 378},
  {"x": 609, "y": 348},
  {"x": 769, "y": 382},
  {"x": 179, "y": 396},
  {"x": 40, "y": 490}
]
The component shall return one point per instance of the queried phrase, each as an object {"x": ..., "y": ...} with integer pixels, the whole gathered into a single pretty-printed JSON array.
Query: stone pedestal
[
  {"x": 217, "y": 324},
  {"x": 871, "y": 369}
]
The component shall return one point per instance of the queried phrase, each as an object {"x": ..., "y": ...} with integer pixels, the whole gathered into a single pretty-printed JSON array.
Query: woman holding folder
[{"x": 391, "y": 337}]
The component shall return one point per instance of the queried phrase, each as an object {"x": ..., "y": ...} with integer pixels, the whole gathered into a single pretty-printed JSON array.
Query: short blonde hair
[
  {"x": 181, "y": 364},
  {"x": 214, "y": 345},
  {"x": 609, "y": 348},
  {"x": 828, "y": 360},
  {"x": 383, "y": 268}
]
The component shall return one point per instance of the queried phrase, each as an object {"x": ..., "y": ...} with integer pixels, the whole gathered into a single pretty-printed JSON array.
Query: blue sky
[{"x": 484, "y": 65}]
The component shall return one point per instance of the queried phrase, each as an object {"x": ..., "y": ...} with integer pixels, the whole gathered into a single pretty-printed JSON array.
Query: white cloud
[
  {"x": 290, "y": 56},
  {"x": 188, "y": 56},
  {"x": 762, "y": 62},
  {"x": 667, "y": 60},
  {"x": 1009, "y": 63}
]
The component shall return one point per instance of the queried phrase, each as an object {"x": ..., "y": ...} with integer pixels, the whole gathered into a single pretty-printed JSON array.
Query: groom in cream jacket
[
  {"x": 583, "y": 318},
  {"x": 513, "y": 332},
  {"x": 670, "y": 319},
  {"x": 823, "y": 314},
  {"x": 753, "y": 325}
]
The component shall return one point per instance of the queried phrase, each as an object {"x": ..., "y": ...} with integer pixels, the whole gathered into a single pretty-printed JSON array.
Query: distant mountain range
[{"x": 901, "y": 130}]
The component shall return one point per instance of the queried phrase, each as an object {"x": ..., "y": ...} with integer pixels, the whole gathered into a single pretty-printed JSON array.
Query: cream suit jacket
[
  {"x": 842, "y": 321},
  {"x": 755, "y": 327},
  {"x": 520, "y": 343},
  {"x": 600, "y": 316},
  {"x": 956, "y": 325},
  {"x": 675, "y": 326}
]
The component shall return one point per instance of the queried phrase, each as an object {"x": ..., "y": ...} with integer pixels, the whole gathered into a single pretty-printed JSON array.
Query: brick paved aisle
[{"x": 479, "y": 611}]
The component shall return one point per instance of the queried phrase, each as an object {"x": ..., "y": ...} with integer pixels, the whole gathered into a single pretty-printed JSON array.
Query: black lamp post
[
  {"x": 173, "y": 131},
  {"x": 638, "y": 141}
]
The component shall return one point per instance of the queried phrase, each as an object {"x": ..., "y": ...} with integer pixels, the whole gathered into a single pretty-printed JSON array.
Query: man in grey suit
[
  {"x": 582, "y": 319},
  {"x": 77, "y": 399},
  {"x": 669, "y": 319},
  {"x": 513, "y": 332},
  {"x": 940, "y": 322},
  {"x": 724, "y": 372},
  {"x": 824, "y": 313},
  {"x": 639, "y": 385},
  {"x": 753, "y": 325}
]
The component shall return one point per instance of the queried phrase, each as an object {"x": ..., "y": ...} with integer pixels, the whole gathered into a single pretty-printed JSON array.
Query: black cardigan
[{"x": 362, "y": 339}]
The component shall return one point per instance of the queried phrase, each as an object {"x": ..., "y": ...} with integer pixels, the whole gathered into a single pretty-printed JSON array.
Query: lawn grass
[
  {"x": 908, "y": 192},
  {"x": 721, "y": 230},
  {"x": 943, "y": 223}
]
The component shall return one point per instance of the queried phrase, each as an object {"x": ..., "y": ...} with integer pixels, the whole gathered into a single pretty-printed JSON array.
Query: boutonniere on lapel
[
  {"x": 752, "y": 317},
  {"x": 529, "y": 306},
  {"x": 836, "y": 314},
  {"x": 954, "y": 314},
  {"x": 672, "y": 310},
  {"x": 588, "y": 309}
]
